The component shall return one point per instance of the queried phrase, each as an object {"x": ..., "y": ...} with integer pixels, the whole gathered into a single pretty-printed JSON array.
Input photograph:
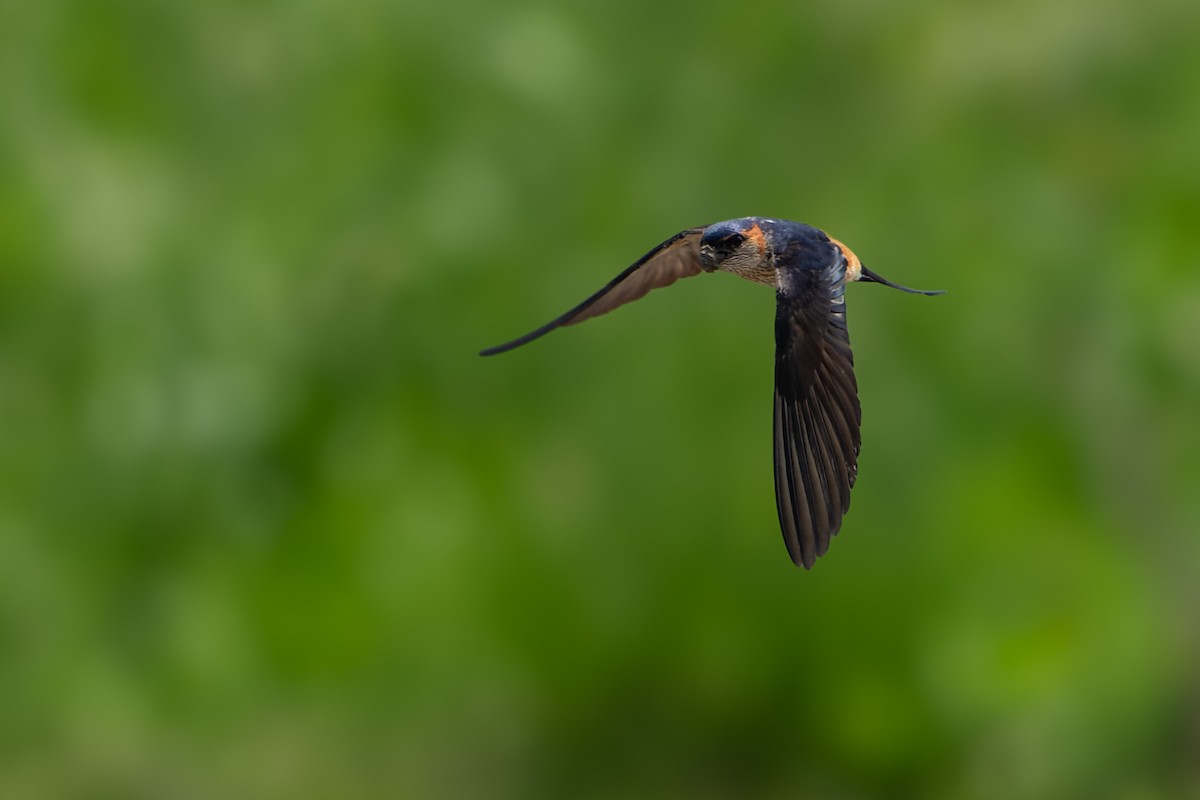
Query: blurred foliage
[{"x": 269, "y": 528}]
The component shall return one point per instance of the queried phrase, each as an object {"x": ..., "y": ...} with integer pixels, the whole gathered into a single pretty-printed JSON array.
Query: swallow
[{"x": 817, "y": 413}]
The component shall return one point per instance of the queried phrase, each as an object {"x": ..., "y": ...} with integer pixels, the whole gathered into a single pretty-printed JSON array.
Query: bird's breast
[{"x": 756, "y": 271}]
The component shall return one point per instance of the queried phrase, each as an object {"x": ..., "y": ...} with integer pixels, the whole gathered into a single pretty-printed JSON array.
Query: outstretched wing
[
  {"x": 677, "y": 257},
  {"x": 817, "y": 415}
]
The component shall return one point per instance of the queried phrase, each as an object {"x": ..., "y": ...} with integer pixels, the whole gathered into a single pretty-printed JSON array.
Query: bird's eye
[{"x": 722, "y": 241}]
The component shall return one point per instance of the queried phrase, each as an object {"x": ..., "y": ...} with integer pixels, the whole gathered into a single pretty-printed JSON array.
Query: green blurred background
[{"x": 270, "y": 528}]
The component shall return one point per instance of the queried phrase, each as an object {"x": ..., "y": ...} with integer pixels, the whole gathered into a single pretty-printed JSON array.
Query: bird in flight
[{"x": 817, "y": 414}]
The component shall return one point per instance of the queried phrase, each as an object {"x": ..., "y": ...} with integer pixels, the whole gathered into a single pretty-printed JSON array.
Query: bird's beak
[{"x": 871, "y": 277}]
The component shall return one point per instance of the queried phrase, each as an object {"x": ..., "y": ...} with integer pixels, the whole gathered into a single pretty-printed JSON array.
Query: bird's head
[{"x": 735, "y": 245}]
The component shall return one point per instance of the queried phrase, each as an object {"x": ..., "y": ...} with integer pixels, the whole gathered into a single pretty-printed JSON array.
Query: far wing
[{"x": 677, "y": 257}]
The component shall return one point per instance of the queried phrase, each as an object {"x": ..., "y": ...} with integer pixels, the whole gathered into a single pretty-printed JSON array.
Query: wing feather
[
  {"x": 817, "y": 414},
  {"x": 677, "y": 257}
]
